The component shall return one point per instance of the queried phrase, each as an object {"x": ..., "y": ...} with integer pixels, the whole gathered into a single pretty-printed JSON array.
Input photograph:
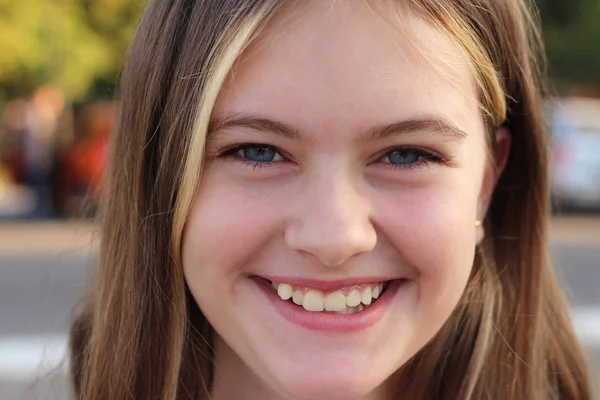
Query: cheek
[
  {"x": 227, "y": 225},
  {"x": 433, "y": 230}
]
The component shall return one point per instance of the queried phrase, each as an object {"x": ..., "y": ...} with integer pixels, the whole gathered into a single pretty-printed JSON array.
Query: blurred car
[{"x": 575, "y": 153}]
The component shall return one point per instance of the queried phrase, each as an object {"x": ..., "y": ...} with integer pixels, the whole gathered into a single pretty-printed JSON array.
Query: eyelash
[{"x": 426, "y": 157}]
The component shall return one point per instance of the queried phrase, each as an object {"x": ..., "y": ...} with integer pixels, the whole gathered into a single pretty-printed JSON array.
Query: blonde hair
[{"x": 141, "y": 335}]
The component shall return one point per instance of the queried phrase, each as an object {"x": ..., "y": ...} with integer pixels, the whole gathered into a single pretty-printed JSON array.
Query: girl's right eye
[{"x": 253, "y": 153}]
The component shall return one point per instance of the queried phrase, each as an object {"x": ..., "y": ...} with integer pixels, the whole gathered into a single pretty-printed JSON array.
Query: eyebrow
[
  {"x": 255, "y": 123},
  {"x": 436, "y": 124}
]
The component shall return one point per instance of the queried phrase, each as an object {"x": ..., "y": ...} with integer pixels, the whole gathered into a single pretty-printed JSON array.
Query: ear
[{"x": 493, "y": 170}]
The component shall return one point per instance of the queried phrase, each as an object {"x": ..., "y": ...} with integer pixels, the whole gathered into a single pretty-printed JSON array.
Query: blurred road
[{"x": 44, "y": 271}]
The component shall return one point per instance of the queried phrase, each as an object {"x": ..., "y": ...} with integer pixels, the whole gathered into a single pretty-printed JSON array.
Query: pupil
[
  {"x": 259, "y": 154},
  {"x": 402, "y": 156}
]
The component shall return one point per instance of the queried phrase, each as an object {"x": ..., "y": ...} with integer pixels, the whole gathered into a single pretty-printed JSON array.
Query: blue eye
[
  {"x": 259, "y": 153},
  {"x": 255, "y": 153},
  {"x": 403, "y": 156}
]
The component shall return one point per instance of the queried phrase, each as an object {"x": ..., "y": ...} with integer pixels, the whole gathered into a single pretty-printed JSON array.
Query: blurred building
[{"x": 575, "y": 158}]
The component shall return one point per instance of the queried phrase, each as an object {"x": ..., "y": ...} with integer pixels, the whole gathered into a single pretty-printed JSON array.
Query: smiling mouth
[{"x": 346, "y": 300}]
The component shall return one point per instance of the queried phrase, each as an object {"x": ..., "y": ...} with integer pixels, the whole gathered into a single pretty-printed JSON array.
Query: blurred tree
[
  {"x": 80, "y": 44},
  {"x": 572, "y": 35},
  {"x": 561, "y": 12},
  {"x": 76, "y": 44}
]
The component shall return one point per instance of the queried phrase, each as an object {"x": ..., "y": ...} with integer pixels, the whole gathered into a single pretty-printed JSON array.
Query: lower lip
[{"x": 336, "y": 323}]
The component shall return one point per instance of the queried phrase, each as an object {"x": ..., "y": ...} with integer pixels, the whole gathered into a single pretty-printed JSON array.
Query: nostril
[
  {"x": 332, "y": 250},
  {"x": 332, "y": 230}
]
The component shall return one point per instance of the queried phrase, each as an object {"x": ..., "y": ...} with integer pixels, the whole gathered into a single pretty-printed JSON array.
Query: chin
[{"x": 320, "y": 385}]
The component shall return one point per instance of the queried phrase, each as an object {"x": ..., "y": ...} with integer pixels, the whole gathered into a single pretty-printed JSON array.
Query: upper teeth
[
  {"x": 285, "y": 292},
  {"x": 342, "y": 301}
]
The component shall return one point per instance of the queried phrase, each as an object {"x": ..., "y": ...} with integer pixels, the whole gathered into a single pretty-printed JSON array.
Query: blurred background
[{"x": 59, "y": 63}]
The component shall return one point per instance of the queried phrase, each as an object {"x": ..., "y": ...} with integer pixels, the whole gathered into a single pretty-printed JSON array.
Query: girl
[{"x": 328, "y": 200}]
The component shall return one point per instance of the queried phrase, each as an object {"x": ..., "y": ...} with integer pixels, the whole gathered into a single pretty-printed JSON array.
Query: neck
[{"x": 233, "y": 379}]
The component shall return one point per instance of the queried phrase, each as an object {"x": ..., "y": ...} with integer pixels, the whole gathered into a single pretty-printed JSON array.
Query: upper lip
[{"x": 329, "y": 284}]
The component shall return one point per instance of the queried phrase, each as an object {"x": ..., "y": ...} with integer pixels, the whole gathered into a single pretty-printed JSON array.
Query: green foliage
[
  {"x": 572, "y": 35},
  {"x": 80, "y": 45},
  {"x": 70, "y": 43},
  {"x": 561, "y": 13}
]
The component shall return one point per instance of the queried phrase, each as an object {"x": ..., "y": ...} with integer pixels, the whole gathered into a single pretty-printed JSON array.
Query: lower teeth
[
  {"x": 352, "y": 310},
  {"x": 347, "y": 310}
]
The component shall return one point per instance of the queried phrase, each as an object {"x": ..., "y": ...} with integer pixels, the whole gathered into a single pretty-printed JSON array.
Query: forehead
[{"x": 333, "y": 66}]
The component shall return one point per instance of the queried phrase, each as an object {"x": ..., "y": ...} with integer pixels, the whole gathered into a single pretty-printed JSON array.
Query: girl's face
[{"x": 348, "y": 169}]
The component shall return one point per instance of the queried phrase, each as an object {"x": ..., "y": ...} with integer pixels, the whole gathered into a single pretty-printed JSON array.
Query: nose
[{"x": 333, "y": 223}]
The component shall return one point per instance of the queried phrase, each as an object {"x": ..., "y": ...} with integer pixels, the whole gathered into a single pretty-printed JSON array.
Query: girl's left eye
[{"x": 407, "y": 157}]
